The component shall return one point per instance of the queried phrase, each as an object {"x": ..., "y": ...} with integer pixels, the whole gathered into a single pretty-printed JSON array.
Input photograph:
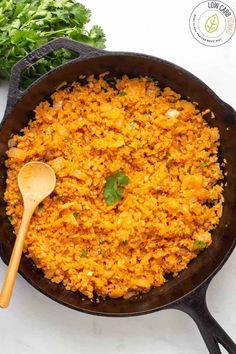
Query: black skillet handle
[
  {"x": 85, "y": 51},
  {"x": 213, "y": 334}
]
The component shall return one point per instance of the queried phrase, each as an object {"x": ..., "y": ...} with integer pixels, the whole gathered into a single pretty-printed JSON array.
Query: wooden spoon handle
[{"x": 15, "y": 260}]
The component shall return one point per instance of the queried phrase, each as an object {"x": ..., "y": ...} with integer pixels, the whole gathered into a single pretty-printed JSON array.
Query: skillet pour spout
[{"x": 187, "y": 291}]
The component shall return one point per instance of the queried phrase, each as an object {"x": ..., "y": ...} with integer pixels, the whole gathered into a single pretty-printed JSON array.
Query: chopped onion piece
[
  {"x": 17, "y": 153},
  {"x": 11, "y": 143},
  {"x": 57, "y": 164},
  {"x": 172, "y": 113}
]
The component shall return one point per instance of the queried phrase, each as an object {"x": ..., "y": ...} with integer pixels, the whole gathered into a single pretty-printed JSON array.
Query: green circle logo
[{"x": 212, "y": 23}]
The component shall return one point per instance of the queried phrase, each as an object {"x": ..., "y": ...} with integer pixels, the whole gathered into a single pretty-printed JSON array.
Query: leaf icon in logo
[{"x": 212, "y": 23}]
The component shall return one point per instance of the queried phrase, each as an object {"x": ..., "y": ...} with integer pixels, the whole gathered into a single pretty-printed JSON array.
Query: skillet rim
[{"x": 97, "y": 54}]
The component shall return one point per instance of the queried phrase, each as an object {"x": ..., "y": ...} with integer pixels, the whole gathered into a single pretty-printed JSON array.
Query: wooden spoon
[{"x": 36, "y": 180}]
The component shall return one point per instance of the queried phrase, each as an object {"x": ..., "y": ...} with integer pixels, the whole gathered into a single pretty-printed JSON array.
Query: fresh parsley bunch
[{"x": 27, "y": 24}]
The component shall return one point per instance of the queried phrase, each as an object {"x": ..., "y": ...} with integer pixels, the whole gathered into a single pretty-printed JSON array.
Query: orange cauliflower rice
[{"x": 163, "y": 217}]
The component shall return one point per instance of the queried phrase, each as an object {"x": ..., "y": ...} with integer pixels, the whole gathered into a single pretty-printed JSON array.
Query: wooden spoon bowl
[{"x": 36, "y": 180}]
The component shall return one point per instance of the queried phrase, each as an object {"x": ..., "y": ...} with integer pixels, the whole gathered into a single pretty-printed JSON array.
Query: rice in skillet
[{"x": 165, "y": 210}]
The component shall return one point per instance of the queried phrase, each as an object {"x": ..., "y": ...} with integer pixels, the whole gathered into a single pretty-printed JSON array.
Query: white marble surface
[{"x": 35, "y": 324}]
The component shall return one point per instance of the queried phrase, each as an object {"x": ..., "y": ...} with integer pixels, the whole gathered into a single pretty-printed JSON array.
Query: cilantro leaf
[
  {"x": 122, "y": 178},
  {"x": 10, "y": 218},
  {"x": 153, "y": 80},
  {"x": 133, "y": 125},
  {"x": 123, "y": 93},
  {"x": 75, "y": 214},
  {"x": 199, "y": 244},
  {"x": 83, "y": 254},
  {"x": 114, "y": 187}
]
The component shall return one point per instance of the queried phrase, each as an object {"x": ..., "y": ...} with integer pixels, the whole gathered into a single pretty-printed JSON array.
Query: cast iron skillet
[{"x": 186, "y": 292}]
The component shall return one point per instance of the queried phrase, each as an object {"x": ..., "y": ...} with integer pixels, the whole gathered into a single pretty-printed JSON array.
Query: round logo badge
[{"x": 212, "y": 23}]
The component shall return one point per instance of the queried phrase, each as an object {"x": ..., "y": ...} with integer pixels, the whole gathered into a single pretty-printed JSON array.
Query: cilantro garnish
[
  {"x": 75, "y": 214},
  {"x": 199, "y": 244},
  {"x": 10, "y": 218},
  {"x": 152, "y": 79},
  {"x": 83, "y": 254},
  {"x": 122, "y": 93},
  {"x": 133, "y": 125},
  {"x": 114, "y": 187}
]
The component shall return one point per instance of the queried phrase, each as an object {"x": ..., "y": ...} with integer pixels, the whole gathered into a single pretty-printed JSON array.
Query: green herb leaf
[
  {"x": 83, "y": 254},
  {"x": 168, "y": 154},
  {"x": 152, "y": 79},
  {"x": 212, "y": 23},
  {"x": 199, "y": 244},
  {"x": 204, "y": 164},
  {"x": 101, "y": 241},
  {"x": 10, "y": 218},
  {"x": 133, "y": 125},
  {"x": 59, "y": 198},
  {"x": 75, "y": 214},
  {"x": 114, "y": 187},
  {"x": 122, "y": 179},
  {"x": 123, "y": 93},
  {"x": 26, "y": 25}
]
